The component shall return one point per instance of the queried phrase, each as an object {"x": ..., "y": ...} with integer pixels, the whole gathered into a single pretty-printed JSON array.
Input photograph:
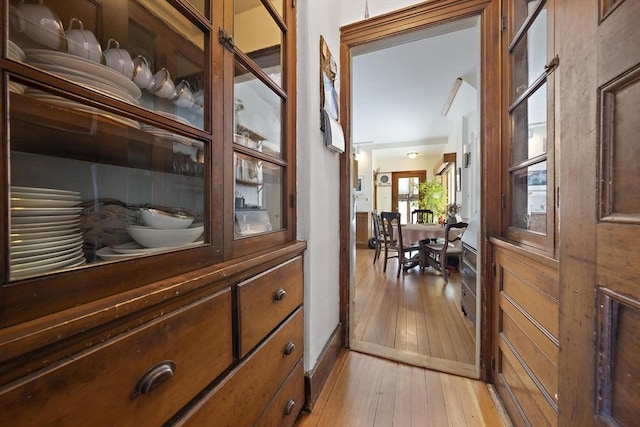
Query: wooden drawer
[
  {"x": 98, "y": 386},
  {"x": 242, "y": 396},
  {"x": 468, "y": 276},
  {"x": 468, "y": 302},
  {"x": 469, "y": 255},
  {"x": 264, "y": 301},
  {"x": 287, "y": 404}
]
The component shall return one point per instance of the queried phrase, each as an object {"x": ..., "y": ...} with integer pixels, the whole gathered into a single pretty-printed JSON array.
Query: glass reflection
[
  {"x": 530, "y": 56},
  {"x": 258, "y": 196},
  {"x": 530, "y": 127},
  {"x": 201, "y": 5},
  {"x": 522, "y": 10},
  {"x": 279, "y": 6},
  {"x": 258, "y": 36},
  {"x": 258, "y": 114},
  {"x": 86, "y": 181},
  {"x": 529, "y": 188}
]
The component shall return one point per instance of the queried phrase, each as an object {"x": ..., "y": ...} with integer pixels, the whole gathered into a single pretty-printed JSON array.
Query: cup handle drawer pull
[
  {"x": 289, "y": 408},
  {"x": 279, "y": 295},
  {"x": 288, "y": 349},
  {"x": 154, "y": 377}
]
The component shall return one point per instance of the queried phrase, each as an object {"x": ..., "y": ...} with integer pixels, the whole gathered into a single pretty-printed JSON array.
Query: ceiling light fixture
[{"x": 412, "y": 155}]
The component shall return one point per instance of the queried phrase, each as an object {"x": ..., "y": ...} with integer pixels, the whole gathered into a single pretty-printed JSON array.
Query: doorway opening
[{"x": 410, "y": 301}]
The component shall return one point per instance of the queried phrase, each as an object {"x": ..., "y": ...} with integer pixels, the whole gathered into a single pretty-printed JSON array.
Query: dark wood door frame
[{"x": 396, "y": 23}]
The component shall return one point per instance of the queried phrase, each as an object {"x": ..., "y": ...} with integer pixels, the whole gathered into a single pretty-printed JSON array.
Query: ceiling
[{"x": 400, "y": 86}]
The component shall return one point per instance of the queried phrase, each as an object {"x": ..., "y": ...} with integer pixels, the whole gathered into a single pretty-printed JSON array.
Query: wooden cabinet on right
[
  {"x": 468, "y": 273},
  {"x": 363, "y": 229}
]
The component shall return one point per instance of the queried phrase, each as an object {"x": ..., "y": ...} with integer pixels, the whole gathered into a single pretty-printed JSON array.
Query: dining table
[{"x": 413, "y": 233}]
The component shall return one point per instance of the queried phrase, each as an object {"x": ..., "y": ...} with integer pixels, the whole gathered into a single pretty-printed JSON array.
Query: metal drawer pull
[
  {"x": 280, "y": 293},
  {"x": 154, "y": 377},
  {"x": 289, "y": 408},
  {"x": 288, "y": 349}
]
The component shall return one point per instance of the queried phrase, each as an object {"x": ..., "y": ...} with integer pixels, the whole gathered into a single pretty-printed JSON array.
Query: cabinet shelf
[
  {"x": 243, "y": 130},
  {"x": 249, "y": 183},
  {"x": 89, "y": 137}
]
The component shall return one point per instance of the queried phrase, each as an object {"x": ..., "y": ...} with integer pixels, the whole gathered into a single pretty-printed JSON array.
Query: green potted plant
[{"x": 433, "y": 196}]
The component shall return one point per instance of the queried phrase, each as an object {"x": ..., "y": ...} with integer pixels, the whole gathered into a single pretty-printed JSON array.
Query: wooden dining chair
[
  {"x": 435, "y": 254},
  {"x": 393, "y": 241},
  {"x": 377, "y": 235},
  {"x": 422, "y": 216}
]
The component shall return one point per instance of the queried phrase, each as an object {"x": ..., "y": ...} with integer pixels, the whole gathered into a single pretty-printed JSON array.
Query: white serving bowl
[
  {"x": 162, "y": 238},
  {"x": 160, "y": 219}
]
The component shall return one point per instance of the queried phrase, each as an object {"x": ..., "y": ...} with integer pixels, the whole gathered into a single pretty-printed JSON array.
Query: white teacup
[
  {"x": 184, "y": 97},
  {"x": 118, "y": 59},
  {"x": 163, "y": 86},
  {"x": 142, "y": 75},
  {"x": 39, "y": 23},
  {"x": 82, "y": 42}
]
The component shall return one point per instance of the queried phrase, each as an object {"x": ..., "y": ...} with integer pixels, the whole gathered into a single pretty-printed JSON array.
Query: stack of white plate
[
  {"x": 84, "y": 72},
  {"x": 45, "y": 231},
  {"x": 15, "y": 52}
]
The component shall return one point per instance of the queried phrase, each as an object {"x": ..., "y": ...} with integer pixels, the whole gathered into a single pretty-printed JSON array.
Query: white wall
[
  {"x": 318, "y": 182},
  {"x": 464, "y": 114},
  {"x": 364, "y": 198},
  {"x": 318, "y": 168}
]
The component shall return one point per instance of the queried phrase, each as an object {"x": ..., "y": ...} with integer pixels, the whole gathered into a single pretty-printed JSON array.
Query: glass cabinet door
[
  {"x": 108, "y": 140},
  {"x": 259, "y": 105}
]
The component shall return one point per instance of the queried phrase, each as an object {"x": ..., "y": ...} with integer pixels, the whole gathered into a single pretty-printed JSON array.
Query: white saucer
[
  {"x": 45, "y": 196},
  {"x": 21, "y": 242},
  {"x": 43, "y": 219},
  {"x": 46, "y": 249},
  {"x": 51, "y": 259},
  {"x": 40, "y": 190},
  {"x": 19, "y": 211},
  {"x": 68, "y": 263},
  {"x": 42, "y": 203},
  {"x": 45, "y": 255},
  {"x": 39, "y": 234},
  {"x": 133, "y": 248},
  {"x": 44, "y": 226},
  {"x": 108, "y": 254}
]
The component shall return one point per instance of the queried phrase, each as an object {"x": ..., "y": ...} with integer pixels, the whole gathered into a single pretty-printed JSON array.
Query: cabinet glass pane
[
  {"x": 142, "y": 53},
  {"x": 258, "y": 196},
  {"x": 522, "y": 9},
  {"x": 529, "y": 121},
  {"x": 258, "y": 114},
  {"x": 529, "y": 197},
  {"x": 201, "y": 5},
  {"x": 258, "y": 36},
  {"x": 530, "y": 56},
  {"x": 80, "y": 176},
  {"x": 279, "y": 6}
]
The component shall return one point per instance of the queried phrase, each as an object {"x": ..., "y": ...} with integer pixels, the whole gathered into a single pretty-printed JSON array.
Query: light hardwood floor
[
  {"x": 417, "y": 313},
  {"x": 364, "y": 390}
]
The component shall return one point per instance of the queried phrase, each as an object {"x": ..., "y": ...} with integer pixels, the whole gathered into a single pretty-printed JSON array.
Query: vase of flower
[{"x": 452, "y": 211}]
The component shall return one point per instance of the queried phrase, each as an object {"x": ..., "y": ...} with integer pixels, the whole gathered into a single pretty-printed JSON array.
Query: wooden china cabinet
[{"x": 105, "y": 317}]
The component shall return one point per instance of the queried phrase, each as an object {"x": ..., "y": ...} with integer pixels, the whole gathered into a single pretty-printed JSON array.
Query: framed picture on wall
[{"x": 358, "y": 188}]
